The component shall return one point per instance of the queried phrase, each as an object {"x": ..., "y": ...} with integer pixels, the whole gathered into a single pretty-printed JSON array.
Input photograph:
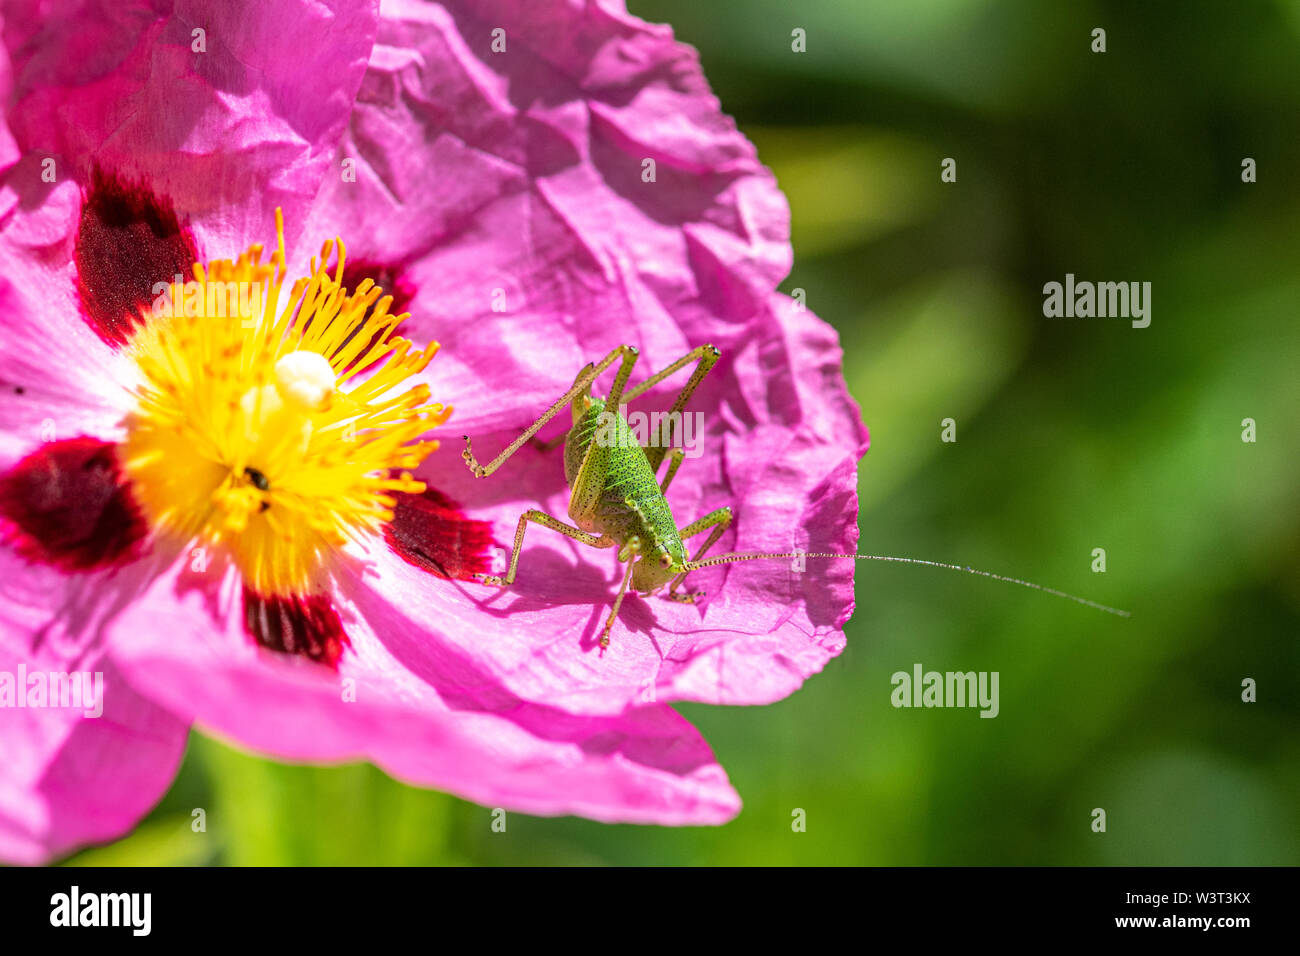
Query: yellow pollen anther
[{"x": 277, "y": 433}]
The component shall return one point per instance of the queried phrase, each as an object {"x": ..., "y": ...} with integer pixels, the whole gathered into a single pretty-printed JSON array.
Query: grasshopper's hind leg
[
  {"x": 546, "y": 521},
  {"x": 719, "y": 521}
]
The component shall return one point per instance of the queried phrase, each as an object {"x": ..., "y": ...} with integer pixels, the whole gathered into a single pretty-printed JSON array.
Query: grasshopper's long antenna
[{"x": 753, "y": 556}]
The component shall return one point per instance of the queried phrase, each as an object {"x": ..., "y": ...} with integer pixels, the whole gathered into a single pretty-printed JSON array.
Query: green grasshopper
[{"x": 617, "y": 500}]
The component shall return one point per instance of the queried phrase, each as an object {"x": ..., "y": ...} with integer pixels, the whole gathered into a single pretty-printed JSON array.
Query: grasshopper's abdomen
[{"x": 613, "y": 487}]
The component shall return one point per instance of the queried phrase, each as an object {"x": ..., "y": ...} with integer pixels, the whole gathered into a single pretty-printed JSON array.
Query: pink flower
[{"x": 487, "y": 165}]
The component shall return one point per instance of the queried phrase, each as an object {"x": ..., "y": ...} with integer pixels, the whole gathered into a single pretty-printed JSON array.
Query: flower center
[{"x": 276, "y": 436}]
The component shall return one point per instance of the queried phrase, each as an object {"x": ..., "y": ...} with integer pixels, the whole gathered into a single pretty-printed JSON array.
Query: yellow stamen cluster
[{"x": 277, "y": 436}]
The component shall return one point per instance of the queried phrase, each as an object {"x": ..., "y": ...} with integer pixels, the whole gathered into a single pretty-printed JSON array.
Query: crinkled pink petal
[
  {"x": 67, "y": 779},
  {"x": 57, "y": 379},
  {"x": 507, "y": 188},
  {"x": 441, "y": 727},
  {"x": 9, "y": 151},
  {"x": 255, "y": 115}
]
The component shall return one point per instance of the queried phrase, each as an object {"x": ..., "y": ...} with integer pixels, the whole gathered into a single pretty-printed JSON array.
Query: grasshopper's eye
[{"x": 665, "y": 560}]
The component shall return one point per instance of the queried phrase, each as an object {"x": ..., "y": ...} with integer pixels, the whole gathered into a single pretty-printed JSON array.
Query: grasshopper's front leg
[
  {"x": 626, "y": 353},
  {"x": 547, "y": 521},
  {"x": 719, "y": 521}
]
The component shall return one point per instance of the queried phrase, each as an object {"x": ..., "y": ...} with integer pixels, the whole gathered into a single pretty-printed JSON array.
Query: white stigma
[{"x": 305, "y": 380}]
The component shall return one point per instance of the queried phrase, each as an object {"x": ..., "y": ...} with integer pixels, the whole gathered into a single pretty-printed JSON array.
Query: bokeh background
[{"x": 1072, "y": 434}]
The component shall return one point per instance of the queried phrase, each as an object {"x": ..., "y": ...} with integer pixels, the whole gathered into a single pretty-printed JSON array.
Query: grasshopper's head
[{"x": 659, "y": 566}]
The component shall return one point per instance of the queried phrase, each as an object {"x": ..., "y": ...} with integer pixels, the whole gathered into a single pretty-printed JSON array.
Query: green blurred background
[{"x": 1072, "y": 434}]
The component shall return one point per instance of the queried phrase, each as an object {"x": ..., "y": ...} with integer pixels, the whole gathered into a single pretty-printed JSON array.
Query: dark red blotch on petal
[
  {"x": 390, "y": 279},
  {"x": 430, "y": 531},
  {"x": 129, "y": 239},
  {"x": 306, "y": 626},
  {"x": 68, "y": 504}
]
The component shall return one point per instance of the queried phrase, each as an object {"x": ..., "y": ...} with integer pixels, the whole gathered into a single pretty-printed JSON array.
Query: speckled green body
[{"x": 614, "y": 492}]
